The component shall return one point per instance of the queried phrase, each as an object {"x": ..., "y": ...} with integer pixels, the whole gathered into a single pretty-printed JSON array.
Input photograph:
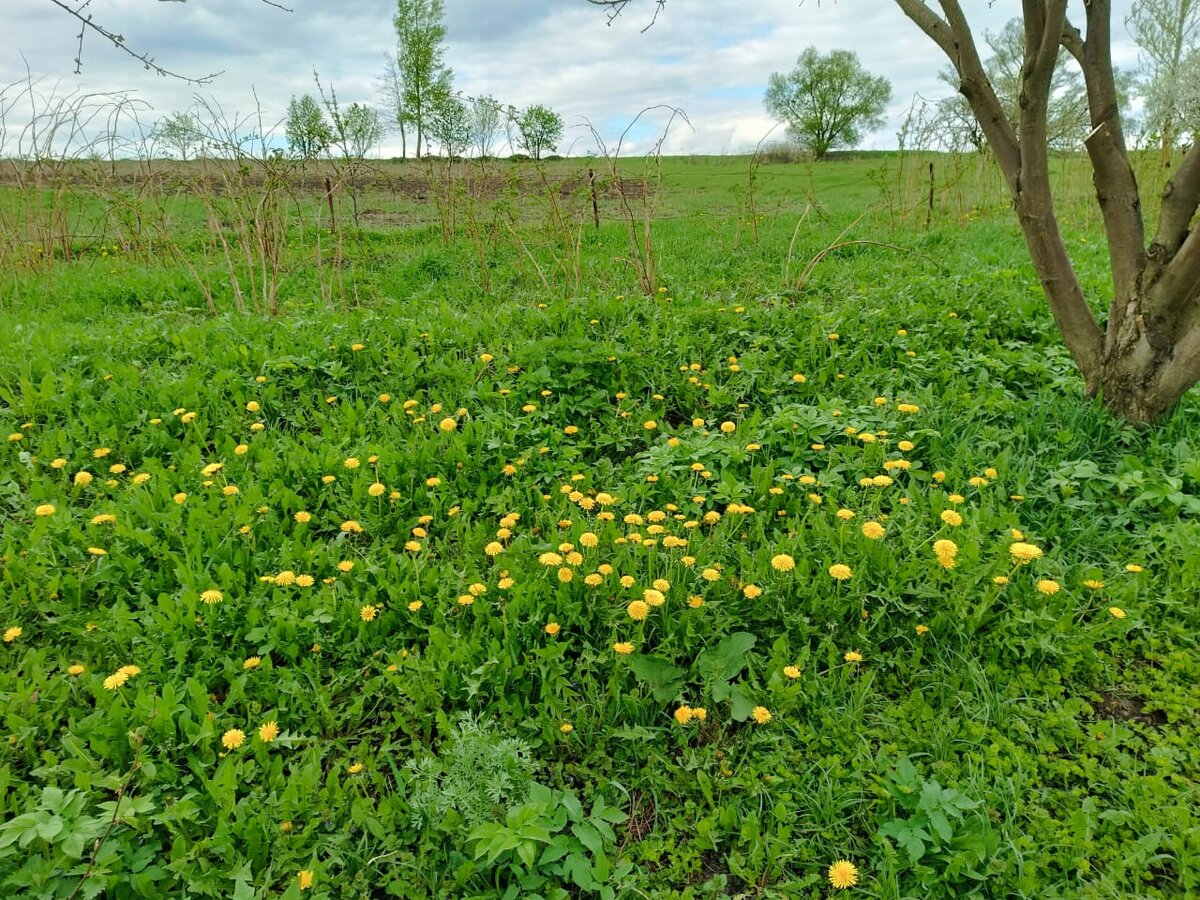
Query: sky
[{"x": 709, "y": 58}]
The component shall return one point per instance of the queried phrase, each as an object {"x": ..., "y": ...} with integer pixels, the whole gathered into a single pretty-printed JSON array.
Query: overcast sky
[{"x": 710, "y": 58}]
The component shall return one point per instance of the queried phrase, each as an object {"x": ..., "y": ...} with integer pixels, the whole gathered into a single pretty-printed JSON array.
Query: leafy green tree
[
  {"x": 360, "y": 129},
  {"x": 1144, "y": 354},
  {"x": 485, "y": 124},
  {"x": 827, "y": 101},
  {"x": 539, "y": 129},
  {"x": 179, "y": 132},
  {"x": 420, "y": 62},
  {"x": 308, "y": 134},
  {"x": 450, "y": 125}
]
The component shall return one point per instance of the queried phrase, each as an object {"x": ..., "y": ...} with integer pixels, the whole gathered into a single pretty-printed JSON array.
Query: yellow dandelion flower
[
  {"x": 368, "y": 612},
  {"x": 951, "y": 518},
  {"x": 843, "y": 874},
  {"x": 233, "y": 738},
  {"x": 873, "y": 530},
  {"x": 211, "y": 596},
  {"x": 792, "y": 672},
  {"x": 566, "y": 727},
  {"x": 268, "y": 731},
  {"x": 783, "y": 563},
  {"x": 252, "y": 662},
  {"x": 852, "y": 656},
  {"x": 1116, "y": 612},
  {"x": 1022, "y": 552},
  {"x": 45, "y": 509},
  {"x": 638, "y": 610},
  {"x": 76, "y": 670},
  {"x": 1048, "y": 586},
  {"x": 762, "y": 715},
  {"x": 840, "y": 572},
  {"x": 115, "y": 680},
  {"x": 11, "y": 634}
]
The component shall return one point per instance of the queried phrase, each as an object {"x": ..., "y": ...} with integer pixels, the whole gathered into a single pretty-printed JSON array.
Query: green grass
[{"x": 1023, "y": 743}]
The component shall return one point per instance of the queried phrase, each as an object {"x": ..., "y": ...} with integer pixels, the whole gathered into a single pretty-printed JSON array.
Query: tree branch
[
  {"x": 953, "y": 35},
  {"x": 1180, "y": 278},
  {"x": 616, "y": 7},
  {"x": 1115, "y": 183},
  {"x": 1183, "y": 370},
  {"x": 1180, "y": 198},
  {"x": 87, "y": 23}
]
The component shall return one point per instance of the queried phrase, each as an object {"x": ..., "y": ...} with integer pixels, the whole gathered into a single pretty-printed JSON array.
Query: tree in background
[
  {"x": 450, "y": 125},
  {"x": 179, "y": 132},
  {"x": 391, "y": 92},
  {"x": 308, "y": 134},
  {"x": 827, "y": 101},
  {"x": 1166, "y": 32},
  {"x": 539, "y": 129},
  {"x": 420, "y": 60},
  {"x": 1067, "y": 120},
  {"x": 360, "y": 129},
  {"x": 485, "y": 124}
]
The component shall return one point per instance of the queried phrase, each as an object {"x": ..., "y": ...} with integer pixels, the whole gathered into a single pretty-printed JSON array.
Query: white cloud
[{"x": 711, "y": 59}]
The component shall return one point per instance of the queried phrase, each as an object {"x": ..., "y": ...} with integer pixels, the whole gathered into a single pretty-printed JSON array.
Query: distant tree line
[{"x": 417, "y": 101}]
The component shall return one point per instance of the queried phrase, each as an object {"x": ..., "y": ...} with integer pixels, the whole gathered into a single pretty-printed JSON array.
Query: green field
[{"x": 463, "y": 549}]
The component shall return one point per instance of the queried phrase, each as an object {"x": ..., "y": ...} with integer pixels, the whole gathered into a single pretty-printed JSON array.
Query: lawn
[{"x": 504, "y": 556}]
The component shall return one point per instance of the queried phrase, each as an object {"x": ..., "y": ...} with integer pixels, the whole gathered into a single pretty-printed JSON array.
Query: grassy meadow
[{"x": 757, "y": 543}]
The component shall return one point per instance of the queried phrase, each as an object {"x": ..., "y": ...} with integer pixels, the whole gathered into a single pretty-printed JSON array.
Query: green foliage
[
  {"x": 944, "y": 840},
  {"x": 552, "y": 842}
]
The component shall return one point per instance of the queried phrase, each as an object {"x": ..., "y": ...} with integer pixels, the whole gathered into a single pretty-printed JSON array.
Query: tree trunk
[
  {"x": 1147, "y": 354},
  {"x": 1136, "y": 382}
]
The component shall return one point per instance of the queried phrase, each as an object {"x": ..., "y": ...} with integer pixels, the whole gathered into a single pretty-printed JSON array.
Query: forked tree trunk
[{"x": 1147, "y": 355}]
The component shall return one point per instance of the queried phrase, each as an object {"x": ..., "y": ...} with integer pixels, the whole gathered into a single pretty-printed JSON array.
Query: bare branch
[
  {"x": 954, "y": 36},
  {"x": 88, "y": 24},
  {"x": 616, "y": 7}
]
